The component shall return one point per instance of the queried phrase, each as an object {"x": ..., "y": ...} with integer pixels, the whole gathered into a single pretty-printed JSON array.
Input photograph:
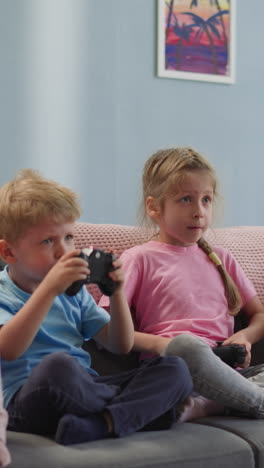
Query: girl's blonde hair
[
  {"x": 30, "y": 198},
  {"x": 163, "y": 174}
]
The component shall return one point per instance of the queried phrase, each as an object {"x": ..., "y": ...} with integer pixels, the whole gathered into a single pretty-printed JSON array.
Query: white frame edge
[{"x": 162, "y": 73}]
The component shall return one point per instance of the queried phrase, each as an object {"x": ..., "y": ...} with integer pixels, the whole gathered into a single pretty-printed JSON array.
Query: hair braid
[{"x": 231, "y": 291}]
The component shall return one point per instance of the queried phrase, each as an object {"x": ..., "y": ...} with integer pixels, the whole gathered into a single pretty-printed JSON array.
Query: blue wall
[{"x": 80, "y": 101}]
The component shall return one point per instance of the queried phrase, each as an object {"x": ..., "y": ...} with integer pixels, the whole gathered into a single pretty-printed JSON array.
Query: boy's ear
[
  {"x": 153, "y": 208},
  {"x": 6, "y": 252}
]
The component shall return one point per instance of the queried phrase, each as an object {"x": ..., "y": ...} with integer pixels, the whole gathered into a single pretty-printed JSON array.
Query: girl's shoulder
[
  {"x": 138, "y": 250},
  {"x": 143, "y": 252},
  {"x": 220, "y": 249},
  {"x": 150, "y": 246},
  {"x": 225, "y": 256}
]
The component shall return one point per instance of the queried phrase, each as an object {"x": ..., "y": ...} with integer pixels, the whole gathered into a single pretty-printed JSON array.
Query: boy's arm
[
  {"x": 18, "y": 333},
  {"x": 118, "y": 335},
  {"x": 148, "y": 343}
]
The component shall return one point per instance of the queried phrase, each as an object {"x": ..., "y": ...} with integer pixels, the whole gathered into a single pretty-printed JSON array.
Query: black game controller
[
  {"x": 100, "y": 264},
  {"x": 233, "y": 354}
]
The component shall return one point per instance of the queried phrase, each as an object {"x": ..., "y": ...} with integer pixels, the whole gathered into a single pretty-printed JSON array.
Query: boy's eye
[
  {"x": 186, "y": 199},
  {"x": 46, "y": 241},
  {"x": 69, "y": 237}
]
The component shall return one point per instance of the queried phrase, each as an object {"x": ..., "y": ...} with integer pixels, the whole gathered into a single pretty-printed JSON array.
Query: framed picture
[{"x": 196, "y": 40}]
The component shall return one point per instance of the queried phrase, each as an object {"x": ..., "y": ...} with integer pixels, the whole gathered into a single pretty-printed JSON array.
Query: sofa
[{"x": 214, "y": 441}]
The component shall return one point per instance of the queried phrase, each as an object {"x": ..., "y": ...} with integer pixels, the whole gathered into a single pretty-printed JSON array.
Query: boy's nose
[{"x": 60, "y": 250}]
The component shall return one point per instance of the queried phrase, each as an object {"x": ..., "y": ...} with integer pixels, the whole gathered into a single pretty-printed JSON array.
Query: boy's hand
[
  {"x": 117, "y": 275},
  {"x": 240, "y": 338},
  {"x": 69, "y": 268}
]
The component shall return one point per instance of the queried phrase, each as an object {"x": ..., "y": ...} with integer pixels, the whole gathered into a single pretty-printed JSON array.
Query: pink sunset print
[{"x": 197, "y": 36}]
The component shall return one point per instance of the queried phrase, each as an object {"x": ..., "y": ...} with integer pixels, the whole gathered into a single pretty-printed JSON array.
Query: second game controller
[{"x": 233, "y": 354}]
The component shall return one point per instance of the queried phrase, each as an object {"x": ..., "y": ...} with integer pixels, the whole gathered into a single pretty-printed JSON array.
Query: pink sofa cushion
[{"x": 245, "y": 242}]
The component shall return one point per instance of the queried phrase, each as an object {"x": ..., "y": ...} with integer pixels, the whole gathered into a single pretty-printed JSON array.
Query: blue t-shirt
[{"x": 70, "y": 321}]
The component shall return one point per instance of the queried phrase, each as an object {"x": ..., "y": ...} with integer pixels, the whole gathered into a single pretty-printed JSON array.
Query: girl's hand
[
  {"x": 240, "y": 338},
  {"x": 117, "y": 275},
  {"x": 68, "y": 269}
]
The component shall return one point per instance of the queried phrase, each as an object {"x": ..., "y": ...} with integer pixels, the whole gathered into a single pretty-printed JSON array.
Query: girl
[{"x": 184, "y": 296}]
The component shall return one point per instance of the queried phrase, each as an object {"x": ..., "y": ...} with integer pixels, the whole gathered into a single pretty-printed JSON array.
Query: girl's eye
[
  {"x": 207, "y": 200},
  {"x": 69, "y": 237}
]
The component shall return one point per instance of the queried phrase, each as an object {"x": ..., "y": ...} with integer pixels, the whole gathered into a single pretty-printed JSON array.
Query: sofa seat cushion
[
  {"x": 182, "y": 446},
  {"x": 251, "y": 430}
]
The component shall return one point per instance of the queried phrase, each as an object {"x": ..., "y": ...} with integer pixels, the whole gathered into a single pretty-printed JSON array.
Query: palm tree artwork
[
  {"x": 197, "y": 36},
  {"x": 219, "y": 8}
]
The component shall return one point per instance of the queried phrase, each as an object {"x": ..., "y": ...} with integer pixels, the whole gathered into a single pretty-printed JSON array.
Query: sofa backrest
[{"x": 245, "y": 242}]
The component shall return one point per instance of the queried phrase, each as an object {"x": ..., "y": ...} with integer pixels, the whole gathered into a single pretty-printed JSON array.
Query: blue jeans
[
  {"x": 213, "y": 379},
  {"x": 135, "y": 399}
]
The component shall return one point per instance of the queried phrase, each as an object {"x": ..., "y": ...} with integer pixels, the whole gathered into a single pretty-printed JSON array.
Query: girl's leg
[
  {"x": 214, "y": 379},
  {"x": 58, "y": 385},
  {"x": 200, "y": 407},
  {"x": 254, "y": 374}
]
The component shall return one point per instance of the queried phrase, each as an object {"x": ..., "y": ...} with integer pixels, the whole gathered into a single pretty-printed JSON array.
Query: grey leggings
[{"x": 213, "y": 379}]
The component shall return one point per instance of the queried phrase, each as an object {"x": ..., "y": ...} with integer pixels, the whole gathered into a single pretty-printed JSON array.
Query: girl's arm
[
  {"x": 254, "y": 332},
  {"x": 118, "y": 335}
]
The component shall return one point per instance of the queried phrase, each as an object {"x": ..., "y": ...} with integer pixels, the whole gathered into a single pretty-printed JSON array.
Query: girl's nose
[{"x": 198, "y": 211}]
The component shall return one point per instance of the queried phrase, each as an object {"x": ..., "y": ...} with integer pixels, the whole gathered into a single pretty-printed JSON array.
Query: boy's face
[{"x": 38, "y": 250}]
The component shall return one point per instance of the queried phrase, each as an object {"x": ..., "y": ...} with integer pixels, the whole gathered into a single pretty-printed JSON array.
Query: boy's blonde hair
[
  {"x": 163, "y": 174},
  {"x": 29, "y": 198}
]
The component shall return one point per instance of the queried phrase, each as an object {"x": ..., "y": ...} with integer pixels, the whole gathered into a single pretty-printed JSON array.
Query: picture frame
[{"x": 196, "y": 40}]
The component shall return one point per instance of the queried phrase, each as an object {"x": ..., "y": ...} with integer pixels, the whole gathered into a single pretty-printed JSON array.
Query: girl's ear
[
  {"x": 6, "y": 252},
  {"x": 153, "y": 208}
]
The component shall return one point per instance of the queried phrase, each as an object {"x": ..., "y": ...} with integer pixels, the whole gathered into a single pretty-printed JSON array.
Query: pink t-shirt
[{"x": 173, "y": 290}]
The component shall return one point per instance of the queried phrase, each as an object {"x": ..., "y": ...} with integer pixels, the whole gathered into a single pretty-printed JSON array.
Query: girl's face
[{"x": 186, "y": 216}]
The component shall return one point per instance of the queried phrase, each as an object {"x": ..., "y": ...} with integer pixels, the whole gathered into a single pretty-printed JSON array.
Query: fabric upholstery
[
  {"x": 184, "y": 446},
  {"x": 246, "y": 243}
]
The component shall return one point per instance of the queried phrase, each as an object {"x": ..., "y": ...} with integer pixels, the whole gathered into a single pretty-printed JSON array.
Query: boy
[{"x": 49, "y": 386}]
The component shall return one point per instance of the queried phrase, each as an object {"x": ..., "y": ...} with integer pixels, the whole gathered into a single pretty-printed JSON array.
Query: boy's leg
[
  {"x": 147, "y": 400},
  {"x": 214, "y": 379},
  {"x": 158, "y": 386},
  {"x": 58, "y": 385}
]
